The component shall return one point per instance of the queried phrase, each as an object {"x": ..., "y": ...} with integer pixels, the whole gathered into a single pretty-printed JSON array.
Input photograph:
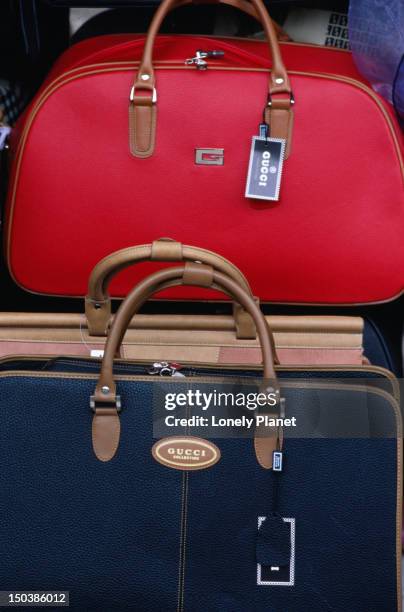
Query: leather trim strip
[
  {"x": 50, "y": 325},
  {"x": 171, "y": 65},
  {"x": 366, "y": 369}
]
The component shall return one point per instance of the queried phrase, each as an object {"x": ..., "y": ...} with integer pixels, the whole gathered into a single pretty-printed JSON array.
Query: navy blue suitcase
[{"x": 87, "y": 508}]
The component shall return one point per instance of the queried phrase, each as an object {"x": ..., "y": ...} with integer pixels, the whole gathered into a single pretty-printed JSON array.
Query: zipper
[
  {"x": 142, "y": 368},
  {"x": 199, "y": 60},
  {"x": 164, "y": 368}
]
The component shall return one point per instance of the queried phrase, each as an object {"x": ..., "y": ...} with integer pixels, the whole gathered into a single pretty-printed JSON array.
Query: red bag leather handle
[
  {"x": 279, "y": 82},
  {"x": 143, "y": 96}
]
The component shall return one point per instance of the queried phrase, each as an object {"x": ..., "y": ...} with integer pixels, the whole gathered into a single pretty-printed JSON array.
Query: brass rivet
[{"x": 105, "y": 390}]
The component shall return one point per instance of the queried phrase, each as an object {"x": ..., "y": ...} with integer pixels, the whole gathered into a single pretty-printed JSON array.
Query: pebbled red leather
[{"x": 77, "y": 194}]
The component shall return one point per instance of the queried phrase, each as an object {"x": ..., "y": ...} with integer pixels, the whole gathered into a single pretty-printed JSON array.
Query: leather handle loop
[
  {"x": 143, "y": 96},
  {"x": 279, "y": 81},
  {"x": 98, "y": 301},
  {"x": 105, "y": 392},
  {"x": 241, "y": 312}
]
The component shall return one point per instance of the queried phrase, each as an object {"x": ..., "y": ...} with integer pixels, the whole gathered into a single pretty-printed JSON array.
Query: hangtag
[
  {"x": 4, "y": 133},
  {"x": 276, "y": 551},
  {"x": 273, "y": 542},
  {"x": 97, "y": 353},
  {"x": 265, "y": 166},
  {"x": 277, "y": 461}
]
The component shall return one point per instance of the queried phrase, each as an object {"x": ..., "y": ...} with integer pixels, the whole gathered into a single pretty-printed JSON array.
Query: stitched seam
[
  {"x": 56, "y": 84},
  {"x": 115, "y": 437},
  {"x": 208, "y": 344},
  {"x": 77, "y": 342},
  {"x": 399, "y": 521},
  {"x": 181, "y": 543},
  {"x": 392, "y": 397},
  {"x": 173, "y": 343},
  {"x": 183, "y": 533},
  {"x": 150, "y": 132},
  {"x": 258, "y": 453},
  {"x": 186, "y": 483},
  {"x": 168, "y": 380},
  {"x": 184, "y": 540},
  {"x": 132, "y": 129},
  {"x": 115, "y": 442},
  {"x": 133, "y": 378}
]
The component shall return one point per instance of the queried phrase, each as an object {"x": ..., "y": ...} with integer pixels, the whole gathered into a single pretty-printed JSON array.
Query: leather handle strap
[
  {"x": 189, "y": 274},
  {"x": 240, "y": 310},
  {"x": 279, "y": 81},
  {"x": 143, "y": 96},
  {"x": 106, "y": 403},
  {"x": 98, "y": 301}
]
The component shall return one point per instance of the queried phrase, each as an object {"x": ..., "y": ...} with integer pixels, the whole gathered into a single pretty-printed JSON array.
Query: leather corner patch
[{"x": 186, "y": 453}]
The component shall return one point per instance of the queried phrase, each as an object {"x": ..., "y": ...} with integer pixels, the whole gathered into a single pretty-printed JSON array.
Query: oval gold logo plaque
[{"x": 186, "y": 453}]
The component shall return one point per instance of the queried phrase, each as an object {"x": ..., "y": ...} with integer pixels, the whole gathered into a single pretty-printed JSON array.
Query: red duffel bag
[{"x": 132, "y": 138}]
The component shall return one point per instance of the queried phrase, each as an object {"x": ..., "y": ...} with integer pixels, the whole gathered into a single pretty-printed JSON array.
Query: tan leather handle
[
  {"x": 105, "y": 402},
  {"x": 190, "y": 274},
  {"x": 143, "y": 95},
  {"x": 279, "y": 82},
  {"x": 98, "y": 301}
]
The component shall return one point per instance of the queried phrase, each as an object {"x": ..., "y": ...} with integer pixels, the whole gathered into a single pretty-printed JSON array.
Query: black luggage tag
[
  {"x": 273, "y": 542},
  {"x": 275, "y": 551},
  {"x": 265, "y": 167}
]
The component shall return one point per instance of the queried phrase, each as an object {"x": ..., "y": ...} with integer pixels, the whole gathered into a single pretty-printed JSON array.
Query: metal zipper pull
[
  {"x": 199, "y": 61},
  {"x": 163, "y": 368}
]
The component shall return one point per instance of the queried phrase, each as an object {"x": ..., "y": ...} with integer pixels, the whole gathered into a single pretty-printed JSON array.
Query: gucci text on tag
[{"x": 265, "y": 168}]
